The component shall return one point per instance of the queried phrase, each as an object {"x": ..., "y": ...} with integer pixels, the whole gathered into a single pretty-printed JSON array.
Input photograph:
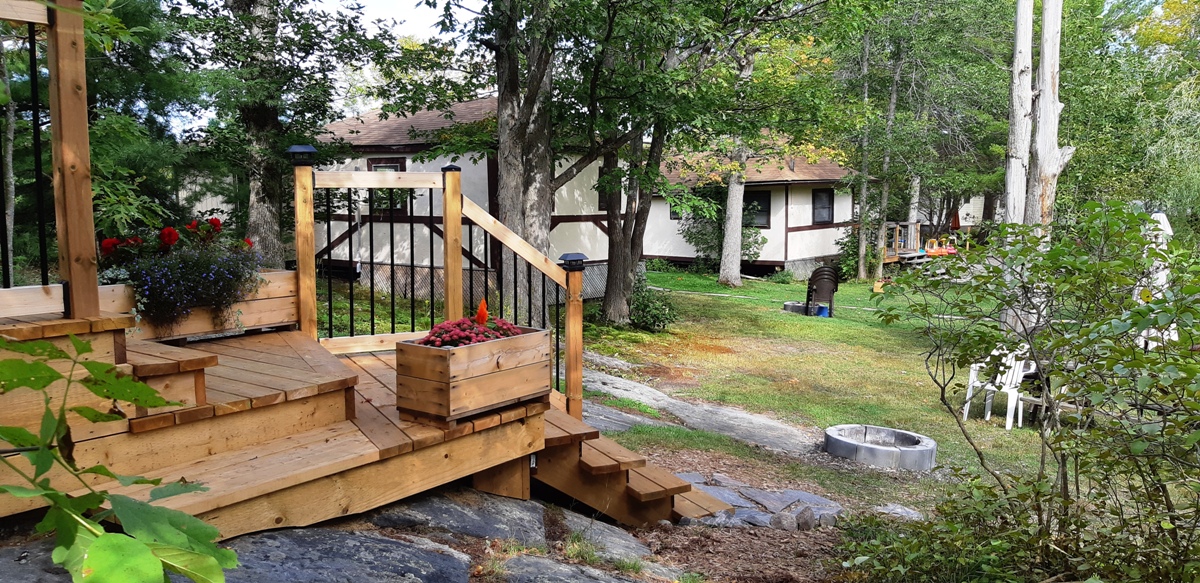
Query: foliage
[
  {"x": 847, "y": 262},
  {"x": 782, "y": 276},
  {"x": 467, "y": 331},
  {"x": 1118, "y": 489},
  {"x": 650, "y": 309},
  {"x": 703, "y": 227},
  {"x": 660, "y": 265},
  {"x": 155, "y": 540},
  {"x": 171, "y": 275}
]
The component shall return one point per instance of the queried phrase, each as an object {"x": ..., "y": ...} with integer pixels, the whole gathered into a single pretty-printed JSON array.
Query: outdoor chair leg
[
  {"x": 967, "y": 405},
  {"x": 1014, "y": 401},
  {"x": 987, "y": 404}
]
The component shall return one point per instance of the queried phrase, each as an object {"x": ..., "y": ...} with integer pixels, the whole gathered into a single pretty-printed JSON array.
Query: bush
[
  {"x": 660, "y": 265},
  {"x": 704, "y": 228},
  {"x": 784, "y": 277},
  {"x": 650, "y": 309}
]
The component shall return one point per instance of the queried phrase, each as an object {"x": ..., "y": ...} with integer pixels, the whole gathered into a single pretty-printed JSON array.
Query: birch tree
[
  {"x": 1020, "y": 123},
  {"x": 1051, "y": 159}
]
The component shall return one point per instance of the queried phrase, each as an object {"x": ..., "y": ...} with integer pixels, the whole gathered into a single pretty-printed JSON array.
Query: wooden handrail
[
  {"x": 513, "y": 241},
  {"x": 377, "y": 179},
  {"x": 24, "y": 11}
]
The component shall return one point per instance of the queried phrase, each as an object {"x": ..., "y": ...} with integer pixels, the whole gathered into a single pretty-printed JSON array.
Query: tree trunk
[
  {"x": 10, "y": 184},
  {"x": 1020, "y": 124},
  {"x": 627, "y": 230},
  {"x": 731, "y": 246},
  {"x": 1051, "y": 159},
  {"x": 616, "y": 301},
  {"x": 914, "y": 199},
  {"x": 865, "y": 175},
  {"x": 881, "y": 238}
]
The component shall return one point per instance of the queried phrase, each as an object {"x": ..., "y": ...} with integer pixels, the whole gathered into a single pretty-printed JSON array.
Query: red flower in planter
[
  {"x": 109, "y": 246},
  {"x": 215, "y": 223},
  {"x": 168, "y": 236},
  {"x": 481, "y": 315},
  {"x": 133, "y": 242},
  {"x": 249, "y": 243},
  {"x": 193, "y": 226}
]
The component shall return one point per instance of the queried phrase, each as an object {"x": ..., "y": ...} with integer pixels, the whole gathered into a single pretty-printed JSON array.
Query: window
[
  {"x": 822, "y": 205},
  {"x": 759, "y": 203},
  {"x": 386, "y": 164},
  {"x": 675, "y": 214}
]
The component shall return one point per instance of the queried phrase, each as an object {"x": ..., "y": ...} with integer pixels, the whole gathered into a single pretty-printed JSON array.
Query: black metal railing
[
  {"x": 380, "y": 269},
  {"x": 32, "y": 211}
]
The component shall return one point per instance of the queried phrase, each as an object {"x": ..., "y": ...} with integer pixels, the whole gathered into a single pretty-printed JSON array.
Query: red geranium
[
  {"x": 133, "y": 242},
  {"x": 109, "y": 246},
  {"x": 249, "y": 243},
  {"x": 193, "y": 226},
  {"x": 168, "y": 236},
  {"x": 215, "y": 223}
]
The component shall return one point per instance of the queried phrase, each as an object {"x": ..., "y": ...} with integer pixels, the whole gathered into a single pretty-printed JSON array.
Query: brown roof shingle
[
  {"x": 772, "y": 171},
  {"x": 368, "y": 130}
]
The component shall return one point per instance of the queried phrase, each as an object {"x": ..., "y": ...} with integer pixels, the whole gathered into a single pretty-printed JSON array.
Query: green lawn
[{"x": 808, "y": 371}]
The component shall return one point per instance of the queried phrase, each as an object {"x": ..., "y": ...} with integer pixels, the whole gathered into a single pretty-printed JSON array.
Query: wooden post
[
  {"x": 510, "y": 479},
  {"x": 72, "y": 160},
  {"x": 574, "y": 326},
  {"x": 452, "y": 240},
  {"x": 306, "y": 252}
]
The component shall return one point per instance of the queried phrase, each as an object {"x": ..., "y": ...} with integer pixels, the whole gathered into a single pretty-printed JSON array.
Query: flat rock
[
  {"x": 806, "y": 519},
  {"x": 604, "y": 361},
  {"x": 533, "y": 569},
  {"x": 783, "y": 521},
  {"x": 723, "y": 520},
  {"x": 772, "y": 501},
  {"x": 719, "y": 479},
  {"x": 31, "y": 563},
  {"x": 612, "y": 543},
  {"x": 691, "y": 477},
  {"x": 809, "y": 499},
  {"x": 610, "y": 419},
  {"x": 736, "y": 423},
  {"x": 322, "y": 555},
  {"x": 899, "y": 511},
  {"x": 471, "y": 513},
  {"x": 753, "y": 517},
  {"x": 726, "y": 495}
]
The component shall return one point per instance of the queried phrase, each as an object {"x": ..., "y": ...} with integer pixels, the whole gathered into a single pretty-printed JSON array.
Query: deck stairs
[{"x": 614, "y": 481}]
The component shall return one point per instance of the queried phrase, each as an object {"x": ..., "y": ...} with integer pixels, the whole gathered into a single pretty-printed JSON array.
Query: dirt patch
[
  {"x": 555, "y": 525},
  {"x": 666, "y": 377},
  {"x": 746, "y": 555},
  {"x": 758, "y": 473}
]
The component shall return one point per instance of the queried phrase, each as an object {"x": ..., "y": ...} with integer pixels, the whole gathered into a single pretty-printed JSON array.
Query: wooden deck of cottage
[{"x": 285, "y": 429}]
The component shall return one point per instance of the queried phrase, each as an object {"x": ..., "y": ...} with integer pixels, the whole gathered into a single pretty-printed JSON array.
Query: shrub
[
  {"x": 660, "y": 265},
  {"x": 703, "y": 227},
  {"x": 785, "y": 277},
  {"x": 650, "y": 309}
]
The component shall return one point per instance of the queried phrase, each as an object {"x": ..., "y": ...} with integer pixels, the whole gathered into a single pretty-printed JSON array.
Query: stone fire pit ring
[{"x": 881, "y": 447}]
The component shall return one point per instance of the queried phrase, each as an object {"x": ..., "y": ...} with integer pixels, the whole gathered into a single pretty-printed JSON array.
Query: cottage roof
[
  {"x": 368, "y": 130},
  {"x": 764, "y": 171}
]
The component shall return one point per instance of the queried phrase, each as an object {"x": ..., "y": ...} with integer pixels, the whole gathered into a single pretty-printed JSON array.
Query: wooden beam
[
  {"x": 33, "y": 299},
  {"x": 574, "y": 356},
  {"x": 377, "y": 179},
  {"x": 374, "y": 343},
  {"x": 513, "y": 241},
  {"x": 510, "y": 479},
  {"x": 306, "y": 258},
  {"x": 452, "y": 241},
  {"x": 72, "y": 159},
  {"x": 24, "y": 11}
]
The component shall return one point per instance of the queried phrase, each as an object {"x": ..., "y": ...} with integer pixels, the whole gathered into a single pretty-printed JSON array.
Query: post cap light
[
  {"x": 573, "y": 261},
  {"x": 451, "y": 168},
  {"x": 302, "y": 155}
]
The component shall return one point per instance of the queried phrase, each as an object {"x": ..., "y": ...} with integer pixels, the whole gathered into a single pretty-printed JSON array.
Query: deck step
[
  {"x": 154, "y": 359},
  {"x": 605, "y": 456},
  {"x": 653, "y": 482},
  {"x": 243, "y": 474},
  {"x": 562, "y": 429},
  {"x": 697, "y": 504}
]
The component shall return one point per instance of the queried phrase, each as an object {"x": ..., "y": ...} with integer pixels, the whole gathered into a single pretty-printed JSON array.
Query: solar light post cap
[
  {"x": 302, "y": 155},
  {"x": 572, "y": 261}
]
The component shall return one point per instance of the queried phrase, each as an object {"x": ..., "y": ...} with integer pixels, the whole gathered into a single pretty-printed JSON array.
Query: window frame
[
  {"x": 400, "y": 164},
  {"x": 832, "y": 196},
  {"x": 768, "y": 195}
]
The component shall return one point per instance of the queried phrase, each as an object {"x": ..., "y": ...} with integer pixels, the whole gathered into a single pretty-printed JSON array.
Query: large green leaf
[
  {"x": 34, "y": 348},
  {"x": 170, "y": 527},
  {"x": 95, "y": 416},
  {"x": 195, "y": 566},
  {"x": 23, "y": 492},
  {"x": 18, "y": 437},
  {"x": 105, "y": 382},
  {"x": 36, "y": 375},
  {"x": 123, "y": 480},
  {"x": 116, "y": 558},
  {"x": 81, "y": 346},
  {"x": 175, "y": 489},
  {"x": 70, "y": 553}
]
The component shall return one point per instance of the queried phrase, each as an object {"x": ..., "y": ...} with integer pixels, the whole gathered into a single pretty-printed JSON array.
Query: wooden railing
[{"x": 455, "y": 210}]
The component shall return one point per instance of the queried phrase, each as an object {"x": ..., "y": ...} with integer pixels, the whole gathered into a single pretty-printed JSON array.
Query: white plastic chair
[{"x": 1012, "y": 372}]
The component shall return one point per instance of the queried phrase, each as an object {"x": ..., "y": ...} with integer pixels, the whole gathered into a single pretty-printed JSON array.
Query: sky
[{"x": 416, "y": 19}]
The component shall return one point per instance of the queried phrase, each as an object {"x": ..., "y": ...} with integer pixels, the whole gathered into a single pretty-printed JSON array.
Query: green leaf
[
  {"x": 106, "y": 383},
  {"x": 123, "y": 480},
  {"x": 195, "y": 566},
  {"x": 18, "y": 437},
  {"x": 23, "y": 492},
  {"x": 175, "y": 489},
  {"x": 36, "y": 375},
  {"x": 116, "y": 558},
  {"x": 34, "y": 348},
  {"x": 95, "y": 416},
  {"x": 1137, "y": 447},
  {"x": 70, "y": 553},
  {"x": 1192, "y": 439},
  {"x": 81, "y": 346},
  {"x": 1166, "y": 524},
  {"x": 170, "y": 527}
]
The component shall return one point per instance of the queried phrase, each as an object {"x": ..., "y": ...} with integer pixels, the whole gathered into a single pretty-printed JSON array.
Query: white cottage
[{"x": 800, "y": 209}]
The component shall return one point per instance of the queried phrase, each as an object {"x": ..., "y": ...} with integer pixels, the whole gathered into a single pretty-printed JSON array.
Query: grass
[
  {"x": 383, "y": 315},
  {"x": 749, "y": 353},
  {"x": 578, "y": 548},
  {"x": 692, "y": 578},
  {"x": 629, "y": 566},
  {"x": 622, "y": 403}
]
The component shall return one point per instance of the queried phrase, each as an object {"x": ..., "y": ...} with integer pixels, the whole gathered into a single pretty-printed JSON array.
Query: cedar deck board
[
  {"x": 605, "y": 456},
  {"x": 187, "y": 358},
  {"x": 567, "y": 428},
  {"x": 696, "y": 499},
  {"x": 652, "y": 483}
]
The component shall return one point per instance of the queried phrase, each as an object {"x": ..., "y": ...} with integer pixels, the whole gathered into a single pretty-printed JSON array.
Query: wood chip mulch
[{"x": 746, "y": 555}]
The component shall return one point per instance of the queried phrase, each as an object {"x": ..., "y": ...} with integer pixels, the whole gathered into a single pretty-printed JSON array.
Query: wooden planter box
[{"x": 442, "y": 385}]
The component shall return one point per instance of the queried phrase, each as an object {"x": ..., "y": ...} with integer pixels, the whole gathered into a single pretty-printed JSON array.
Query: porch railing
[{"x": 423, "y": 253}]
